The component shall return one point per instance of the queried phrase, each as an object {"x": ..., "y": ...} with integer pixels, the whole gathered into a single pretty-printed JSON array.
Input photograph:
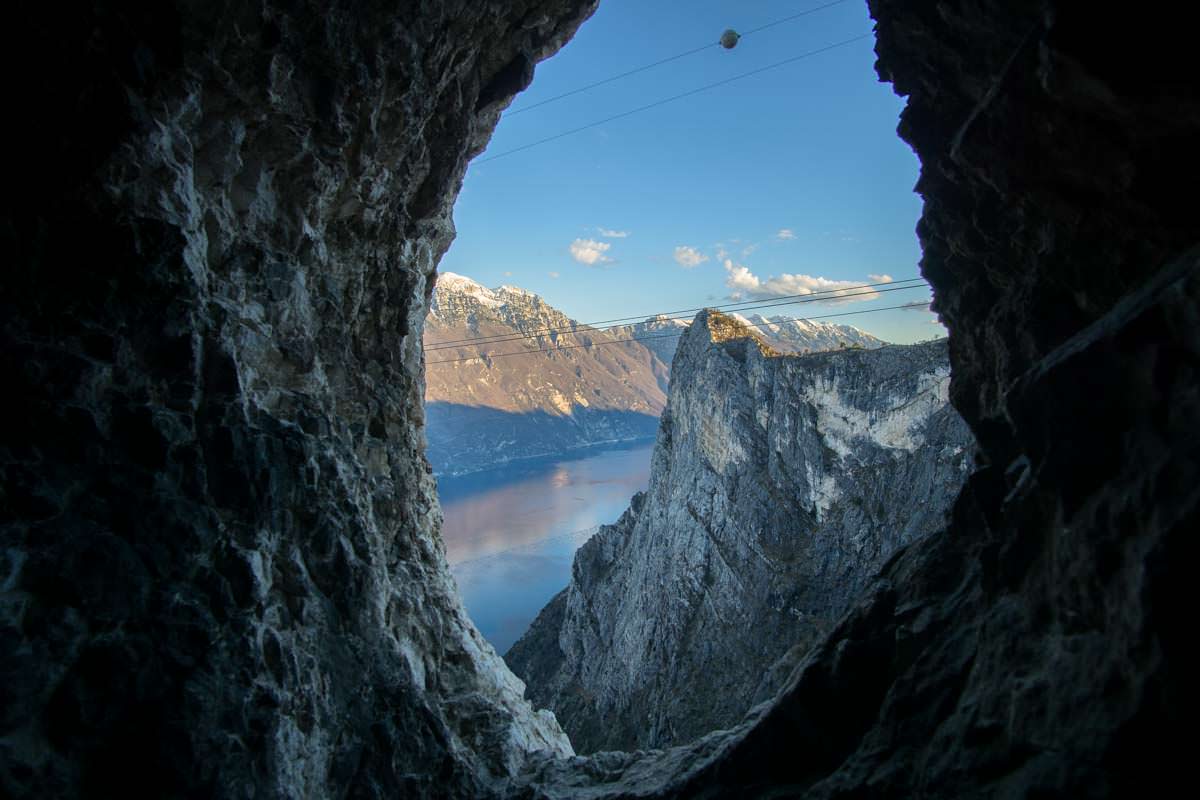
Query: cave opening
[
  {"x": 219, "y": 570},
  {"x": 767, "y": 175}
]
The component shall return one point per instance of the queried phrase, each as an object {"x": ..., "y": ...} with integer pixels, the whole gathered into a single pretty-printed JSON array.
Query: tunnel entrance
[{"x": 218, "y": 535}]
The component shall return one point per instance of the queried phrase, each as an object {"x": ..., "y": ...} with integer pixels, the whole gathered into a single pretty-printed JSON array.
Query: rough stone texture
[
  {"x": 779, "y": 485},
  {"x": 1037, "y": 648},
  {"x": 485, "y": 406},
  {"x": 221, "y": 568}
]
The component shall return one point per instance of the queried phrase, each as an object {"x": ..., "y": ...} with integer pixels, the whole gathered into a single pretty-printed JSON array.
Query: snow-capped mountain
[
  {"x": 661, "y": 334},
  {"x": 493, "y": 394}
]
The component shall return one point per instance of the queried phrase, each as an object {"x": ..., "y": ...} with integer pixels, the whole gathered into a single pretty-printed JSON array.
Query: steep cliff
[
  {"x": 779, "y": 486},
  {"x": 486, "y": 405},
  {"x": 168, "y": 455},
  {"x": 222, "y": 574}
]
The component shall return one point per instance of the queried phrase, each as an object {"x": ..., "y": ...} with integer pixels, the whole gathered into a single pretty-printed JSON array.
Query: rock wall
[
  {"x": 221, "y": 568},
  {"x": 515, "y": 396},
  {"x": 779, "y": 486},
  {"x": 219, "y": 587}
]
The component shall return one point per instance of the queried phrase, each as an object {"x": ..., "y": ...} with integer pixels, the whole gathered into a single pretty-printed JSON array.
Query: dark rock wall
[
  {"x": 219, "y": 571},
  {"x": 219, "y": 552},
  {"x": 1055, "y": 141}
]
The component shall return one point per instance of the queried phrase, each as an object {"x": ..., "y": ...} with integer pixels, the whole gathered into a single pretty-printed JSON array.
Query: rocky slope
[
  {"x": 220, "y": 559},
  {"x": 779, "y": 486},
  {"x": 661, "y": 334},
  {"x": 485, "y": 406}
]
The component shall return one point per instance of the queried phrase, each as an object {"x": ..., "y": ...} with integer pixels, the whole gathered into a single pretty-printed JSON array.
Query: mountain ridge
[
  {"x": 536, "y": 400},
  {"x": 498, "y": 389},
  {"x": 783, "y": 333},
  {"x": 779, "y": 484}
]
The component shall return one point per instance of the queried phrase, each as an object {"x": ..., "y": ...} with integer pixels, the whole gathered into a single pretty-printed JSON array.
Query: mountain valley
[{"x": 510, "y": 377}]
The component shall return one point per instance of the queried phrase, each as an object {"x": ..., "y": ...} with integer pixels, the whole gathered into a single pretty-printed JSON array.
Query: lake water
[{"x": 511, "y": 533}]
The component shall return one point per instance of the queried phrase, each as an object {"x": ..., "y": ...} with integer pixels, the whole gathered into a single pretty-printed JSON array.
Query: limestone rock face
[
  {"x": 220, "y": 561},
  {"x": 219, "y": 568},
  {"x": 779, "y": 485},
  {"x": 508, "y": 376}
]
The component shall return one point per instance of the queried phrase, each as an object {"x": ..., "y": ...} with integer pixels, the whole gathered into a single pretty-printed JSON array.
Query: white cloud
[
  {"x": 749, "y": 249},
  {"x": 785, "y": 234},
  {"x": 508, "y": 274},
  {"x": 745, "y": 283},
  {"x": 552, "y": 274},
  {"x": 609, "y": 234},
  {"x": 688, "y": 257},
  {"x": 884, "y": 278},
  {"x": 590, "y": 252}
]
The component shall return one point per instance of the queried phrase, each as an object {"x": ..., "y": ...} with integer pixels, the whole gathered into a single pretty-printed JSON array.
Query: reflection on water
[{"x": 511, "y": 533}]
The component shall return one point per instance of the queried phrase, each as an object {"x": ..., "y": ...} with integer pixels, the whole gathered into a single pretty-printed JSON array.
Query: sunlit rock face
[
  {"x": 216, "y": 589},
  {"x": 779, "y": 486},
  {"x": 220, "y": 563},
  {"x": 508, "y": 376}
]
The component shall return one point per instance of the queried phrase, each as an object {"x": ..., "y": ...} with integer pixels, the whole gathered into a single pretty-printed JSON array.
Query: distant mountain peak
[
  {"x": 452, "y": 282},
  {"x": 562, "y": 393},
  {"x": 782, "y": 333},
  {"x": 683, "y": 323}
]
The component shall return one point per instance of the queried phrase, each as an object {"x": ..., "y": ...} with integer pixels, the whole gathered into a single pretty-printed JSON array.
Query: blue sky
[{"x": 786, "y": 181}]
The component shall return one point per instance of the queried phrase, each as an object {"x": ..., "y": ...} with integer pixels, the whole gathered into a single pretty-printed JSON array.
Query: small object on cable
[{"x": 729, "y": 39}]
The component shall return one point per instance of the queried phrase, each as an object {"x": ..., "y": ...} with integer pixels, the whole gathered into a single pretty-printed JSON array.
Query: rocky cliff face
[
  {"x": 779, "y": 486},
  {"x": 501, "y": 398},
  {"x": 222, "y": 574}
]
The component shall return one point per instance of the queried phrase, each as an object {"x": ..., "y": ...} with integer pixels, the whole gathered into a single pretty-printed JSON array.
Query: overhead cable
[
  {"x": 826, "y": 295},
  {"x": 487, "y": 356},
  {"x": 673, "y": 98},
  {"x": 667, "y": 60}
]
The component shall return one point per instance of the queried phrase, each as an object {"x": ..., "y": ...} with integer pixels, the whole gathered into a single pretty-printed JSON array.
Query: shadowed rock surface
[
  {"x": 222, "y": 574},
  {"x": 221, "y": 568},
  {"x": 779, "y": 486}
]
